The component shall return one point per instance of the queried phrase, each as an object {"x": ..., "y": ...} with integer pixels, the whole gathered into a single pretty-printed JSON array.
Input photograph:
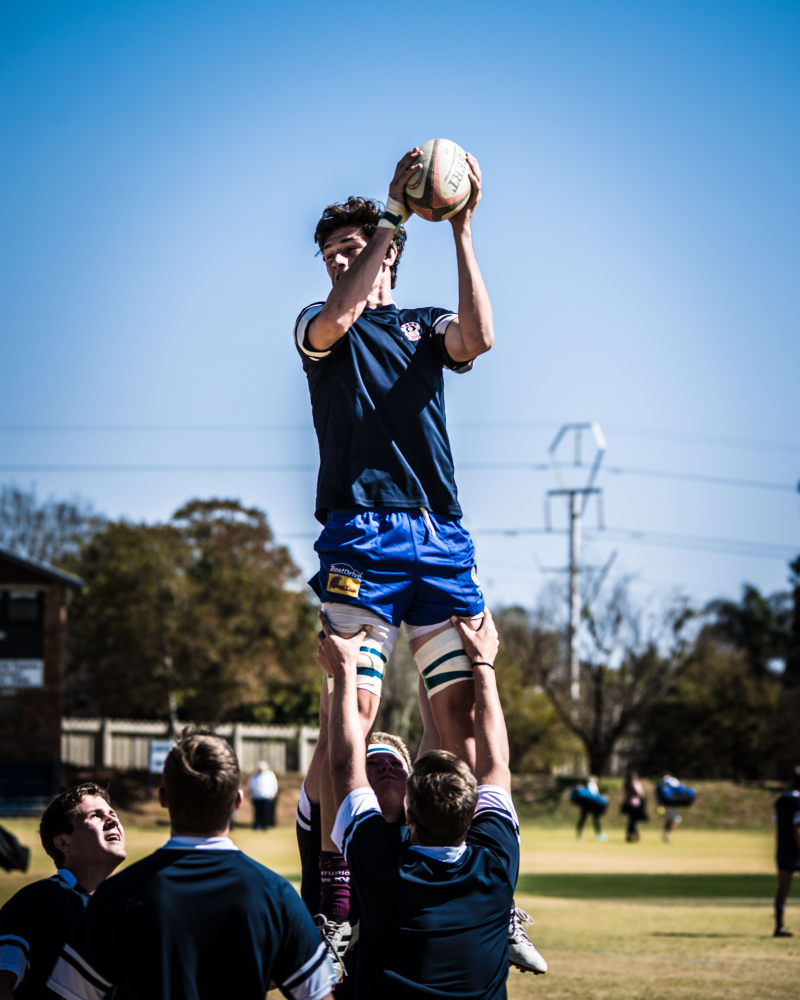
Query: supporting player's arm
[
  {"x": 353, "y": 283},
  {"x": 346, "y": 748},
  {"x": 491, "y": 736},
  {"x": 473, "y": 332}
]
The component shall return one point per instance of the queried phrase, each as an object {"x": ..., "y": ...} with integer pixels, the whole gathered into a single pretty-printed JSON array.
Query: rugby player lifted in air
[{"x": 392, "y": 548}]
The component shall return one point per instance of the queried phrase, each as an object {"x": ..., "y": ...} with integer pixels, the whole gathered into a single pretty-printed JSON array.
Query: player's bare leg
[{"x": 452, "y": 708}]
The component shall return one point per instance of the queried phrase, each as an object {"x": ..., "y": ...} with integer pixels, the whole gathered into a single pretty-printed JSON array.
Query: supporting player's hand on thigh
[
  {"x": 337, "y": 654},
  {"x": 480, "y": 644}
]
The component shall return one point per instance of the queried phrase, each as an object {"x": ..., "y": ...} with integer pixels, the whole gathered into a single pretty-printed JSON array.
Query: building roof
[{"x": 37, "y": 568}]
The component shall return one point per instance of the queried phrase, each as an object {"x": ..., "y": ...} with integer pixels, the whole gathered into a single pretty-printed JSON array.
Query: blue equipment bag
[
  {"x": 585, "y": 799},
  {"x": 674, "y": 795}
]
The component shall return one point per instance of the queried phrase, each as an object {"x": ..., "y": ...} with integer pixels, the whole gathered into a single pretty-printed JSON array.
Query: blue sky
[{"x": 163, "y": 170}]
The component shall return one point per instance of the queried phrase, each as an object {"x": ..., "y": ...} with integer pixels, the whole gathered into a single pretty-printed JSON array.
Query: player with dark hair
[
  {"x": 82, "y": 834},
  {"x": 787, "y": 831},
  {"x": 197, "y": 919},
  {"x": 392, "y": 548},
  {"x": 435, "y": 896}
]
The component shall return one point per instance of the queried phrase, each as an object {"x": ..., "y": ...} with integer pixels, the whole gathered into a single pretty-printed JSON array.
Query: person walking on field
[
  {"x": 634, "y": 806},
  {"x": 787, "y": 832}
]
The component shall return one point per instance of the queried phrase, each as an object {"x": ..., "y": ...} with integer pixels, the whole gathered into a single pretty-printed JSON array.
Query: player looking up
[
  {"x": 81, "y": 833},
  {"x": 197, "y": 919},
  {"x": 392, "y": 548}
]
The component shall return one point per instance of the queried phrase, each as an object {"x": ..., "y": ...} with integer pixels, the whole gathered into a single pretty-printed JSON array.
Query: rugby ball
[{"x": 442, "y": 187}]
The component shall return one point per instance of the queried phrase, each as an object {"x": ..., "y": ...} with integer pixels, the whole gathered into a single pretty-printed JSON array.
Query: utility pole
[{"x": 577, "y": 498}]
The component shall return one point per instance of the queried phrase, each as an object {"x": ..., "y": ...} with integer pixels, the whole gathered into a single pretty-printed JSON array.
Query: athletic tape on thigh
[
  {"x": 375, "y": 649},
  {"x": 442, "y": 661}
]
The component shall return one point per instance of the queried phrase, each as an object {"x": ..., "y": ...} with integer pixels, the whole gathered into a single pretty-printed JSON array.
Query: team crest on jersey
[
  {"x": 412, "y": 330},
  {"x": 343, "y": 579}
]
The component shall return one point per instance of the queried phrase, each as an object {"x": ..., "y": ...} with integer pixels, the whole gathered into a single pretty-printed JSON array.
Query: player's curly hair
[
  {"x": 201, "y": 779},
  {"x": 440, "y": 799},
  {"x": 361, "y": 212},
  {"x": 58, "y": 816}
]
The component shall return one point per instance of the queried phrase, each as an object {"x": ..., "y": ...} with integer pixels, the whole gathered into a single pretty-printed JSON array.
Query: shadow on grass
[
  {"x": 683, "y": 934},
  {"x": 638, "y": 886}
]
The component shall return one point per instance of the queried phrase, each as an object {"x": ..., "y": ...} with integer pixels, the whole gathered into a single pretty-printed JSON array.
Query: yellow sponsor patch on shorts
[{"x": 338, "y": 583}]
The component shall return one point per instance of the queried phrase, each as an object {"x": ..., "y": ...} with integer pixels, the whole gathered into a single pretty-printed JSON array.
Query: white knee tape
[
  {"x": 442, "y": 661},
  {"x": 375, "y": 648}
]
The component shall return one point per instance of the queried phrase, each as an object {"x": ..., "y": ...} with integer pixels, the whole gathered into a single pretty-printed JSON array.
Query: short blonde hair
[{"x": 201, "y": 779}]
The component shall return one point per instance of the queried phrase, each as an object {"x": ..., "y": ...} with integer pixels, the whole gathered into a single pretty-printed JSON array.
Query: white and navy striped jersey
[
  {"x": 434, "y": 920},
  {"x": 196, "y": 920}
]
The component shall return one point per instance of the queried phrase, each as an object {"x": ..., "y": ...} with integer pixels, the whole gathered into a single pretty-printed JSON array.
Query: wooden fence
[{"x": 125, "y": 743}]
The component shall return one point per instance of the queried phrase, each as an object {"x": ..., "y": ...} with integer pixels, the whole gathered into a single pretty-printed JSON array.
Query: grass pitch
[{"x": 615, "y": 921}]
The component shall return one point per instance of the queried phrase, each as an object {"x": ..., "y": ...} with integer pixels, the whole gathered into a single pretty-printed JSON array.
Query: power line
[
  {"x": 720, "y": 546},
  {"x": 756, "y": 444},
  {"x": 174, "y": 467}
]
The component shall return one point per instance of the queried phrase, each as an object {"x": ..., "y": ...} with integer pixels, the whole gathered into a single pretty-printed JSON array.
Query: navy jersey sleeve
[
  {"x": 33, "y": 926},
  {"x": 437, "y": 321},
  {"x": 303, "y": 969},
  {"x": 496, "y": 827},
  {"x": 18, "y": 929}
]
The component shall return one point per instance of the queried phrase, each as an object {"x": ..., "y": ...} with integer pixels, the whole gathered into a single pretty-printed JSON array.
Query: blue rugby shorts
[{"x": 405, "y": 566}]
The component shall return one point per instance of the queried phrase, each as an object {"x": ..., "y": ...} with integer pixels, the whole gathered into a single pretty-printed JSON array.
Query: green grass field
[{"x": 616, "y": 921}]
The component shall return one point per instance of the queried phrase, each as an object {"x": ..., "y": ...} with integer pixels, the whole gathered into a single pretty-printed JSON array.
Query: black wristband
[{"x": 482, "y": 663}]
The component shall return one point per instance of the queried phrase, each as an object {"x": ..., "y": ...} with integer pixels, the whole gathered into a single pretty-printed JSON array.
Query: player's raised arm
[
  {"x": 359, "y": 266},
  {"x": 346, "y": 748},
  {"x": 473, "y": 332},
  {"x": 491, "y": 736}
]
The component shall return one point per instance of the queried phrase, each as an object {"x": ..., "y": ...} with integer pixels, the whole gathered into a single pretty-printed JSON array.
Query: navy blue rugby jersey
[
  {"x": 194, "y": 923},
  {"x": 787, "y": 814},
  {"x": 377, "y": 399},
  {"x": 34, "y": 924},
  {"x": 432, "y": 926}
]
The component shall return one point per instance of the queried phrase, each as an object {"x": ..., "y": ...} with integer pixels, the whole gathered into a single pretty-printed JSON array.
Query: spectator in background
[
  {"x": 634, "y": 805},
  {"x": 787, "y": 832},
  {"x": 263, "y": 790}
]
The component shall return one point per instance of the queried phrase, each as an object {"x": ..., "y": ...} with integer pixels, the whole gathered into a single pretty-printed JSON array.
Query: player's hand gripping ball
[{"x": 442, "y": 187}]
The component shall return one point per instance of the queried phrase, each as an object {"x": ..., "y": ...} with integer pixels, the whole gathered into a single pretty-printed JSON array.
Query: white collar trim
[{"x": 201, "y": 843}]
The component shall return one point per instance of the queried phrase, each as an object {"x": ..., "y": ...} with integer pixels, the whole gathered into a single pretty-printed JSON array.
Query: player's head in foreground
[
  {"x": 441, "y": 794},
  {"x": 388, "y": 768},
  {"x": 80, "y": 831},
  {"x": 201, "y": 784},
  {"x": 343, "y": 232}
]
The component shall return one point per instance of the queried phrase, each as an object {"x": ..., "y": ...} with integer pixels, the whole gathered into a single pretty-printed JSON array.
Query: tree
[
  {"x": 538, "y": 738},
  {"x": 199, "y": 617},
  {"x": 629, "y": 658},
  {"x": 757, "y": 625},
  {"x": 49, "y": 531},
  {"x": 718, "y": 720}
]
